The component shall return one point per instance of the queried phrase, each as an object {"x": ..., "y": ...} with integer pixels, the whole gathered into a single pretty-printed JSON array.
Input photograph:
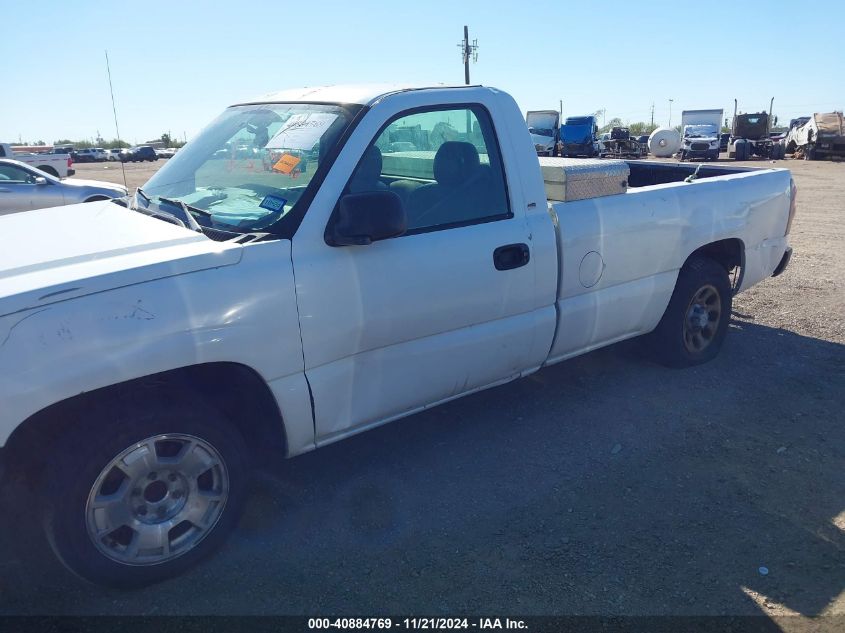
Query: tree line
[{"x": 165, "y": 138}]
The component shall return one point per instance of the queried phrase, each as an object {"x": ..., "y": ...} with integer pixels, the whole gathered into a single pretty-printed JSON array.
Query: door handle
[{"x": 511, "y": 256}]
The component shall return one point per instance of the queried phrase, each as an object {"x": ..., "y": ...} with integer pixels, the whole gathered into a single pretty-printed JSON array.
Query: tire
[
  {"x": 49, "y": 170},
  {"x": 156, "y": 492},
  {"x": 810, "y": 153},
  {"x": 682, "y": 339}
]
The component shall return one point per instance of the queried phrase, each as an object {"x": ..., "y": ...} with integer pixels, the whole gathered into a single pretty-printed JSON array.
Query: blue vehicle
[{"x": 579, "y": 136}]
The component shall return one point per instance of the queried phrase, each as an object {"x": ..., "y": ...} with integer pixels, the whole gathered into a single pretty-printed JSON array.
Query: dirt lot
[{"x": 605, "y": 485}]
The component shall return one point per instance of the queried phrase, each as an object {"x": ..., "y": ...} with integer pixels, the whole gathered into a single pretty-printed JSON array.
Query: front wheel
[
  {"x": 695, "y": 323},
  {"x": 140, "y": 494}
]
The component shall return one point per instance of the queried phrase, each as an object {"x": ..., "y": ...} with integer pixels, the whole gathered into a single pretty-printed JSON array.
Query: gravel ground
[{"x": 604, "y": 485}]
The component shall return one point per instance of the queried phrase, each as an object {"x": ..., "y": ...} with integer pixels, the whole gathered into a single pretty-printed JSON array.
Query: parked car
[
  {"x": 23, "y": 187},
  {"x": 139, "y": 154},
  {"x": 158, "y": 350},
  {"x": 165, "y": 152},
  {"x": 91, "y": 155},
  {"x": 57, "y": 165},
  {"x": 113, "y": 154}
]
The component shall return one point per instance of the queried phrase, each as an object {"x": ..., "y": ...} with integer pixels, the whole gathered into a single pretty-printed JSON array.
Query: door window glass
[
  {"x": 11, "y": 173},
  {"x": 444, "y": 164}
]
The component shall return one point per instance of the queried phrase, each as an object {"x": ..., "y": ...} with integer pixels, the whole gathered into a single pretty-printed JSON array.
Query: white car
[
  {"x": 151, "y": 353},
  {"x": 91, "y": 155},
  {"x": 113, "y": 155}
]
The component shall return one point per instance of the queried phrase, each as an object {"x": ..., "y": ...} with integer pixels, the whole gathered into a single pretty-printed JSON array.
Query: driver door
[
  {"x": 20, "y": 192},
  {"x": 445, "y": 309}
]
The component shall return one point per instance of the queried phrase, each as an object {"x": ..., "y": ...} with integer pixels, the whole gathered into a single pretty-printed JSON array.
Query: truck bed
[{"x": 615, "y": 250}]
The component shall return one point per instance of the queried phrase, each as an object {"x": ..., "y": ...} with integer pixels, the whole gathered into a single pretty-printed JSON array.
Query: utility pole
[
  {"x": 670, "y": 112},
  {"x": 652, "y": 114},
  {"x": 468, "y": 50},
  {"x": 561, "y": 109}
]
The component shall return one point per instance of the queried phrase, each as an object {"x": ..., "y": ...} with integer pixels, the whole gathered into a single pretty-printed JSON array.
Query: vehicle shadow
[{"x": 605, "y": 485}]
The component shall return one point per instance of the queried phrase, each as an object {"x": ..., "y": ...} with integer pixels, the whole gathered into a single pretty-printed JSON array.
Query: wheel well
[
  {"x": 729, "y": 253},
  {"x": 49, "y": 170},
  {"x": 246, "y": 401}
]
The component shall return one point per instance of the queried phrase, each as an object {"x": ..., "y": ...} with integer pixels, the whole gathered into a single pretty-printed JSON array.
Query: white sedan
[{"x": 23, "y": 187}]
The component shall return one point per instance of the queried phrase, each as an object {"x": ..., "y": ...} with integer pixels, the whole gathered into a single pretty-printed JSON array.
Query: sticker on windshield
[
  {"x": 302, "y": 131},
  {"x": 273, "y": 203},
  {"x": 286, "y": 163}
]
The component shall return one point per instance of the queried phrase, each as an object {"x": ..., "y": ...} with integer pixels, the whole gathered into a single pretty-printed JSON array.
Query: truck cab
[
  {"x": 579, "y": 136},
  {"x": 700, "y": 131},
  {"x": 544, "y": 127}
]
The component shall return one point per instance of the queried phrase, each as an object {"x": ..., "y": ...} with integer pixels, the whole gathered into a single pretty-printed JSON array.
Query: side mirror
[
  {"x": 40, "y": 180},
  {"x": 364, "y": 218}
]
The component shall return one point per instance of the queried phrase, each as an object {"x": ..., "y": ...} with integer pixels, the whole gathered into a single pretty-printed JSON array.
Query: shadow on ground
[{"x": 605, "y": 485}]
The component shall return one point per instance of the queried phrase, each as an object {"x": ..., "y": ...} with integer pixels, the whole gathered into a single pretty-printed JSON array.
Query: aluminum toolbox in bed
[{"x": 569, "y": 179}]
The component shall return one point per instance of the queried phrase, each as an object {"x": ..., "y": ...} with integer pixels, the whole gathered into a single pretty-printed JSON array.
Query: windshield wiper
[
  {"x": 185, "y": 206},
  {"x": 140, "y": 192},
  {"x": 190, "y": 222},
  {"x": 162, "y": 215}
]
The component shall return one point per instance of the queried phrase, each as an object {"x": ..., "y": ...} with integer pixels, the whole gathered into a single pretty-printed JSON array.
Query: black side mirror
[{"x": 363, "y": 218}]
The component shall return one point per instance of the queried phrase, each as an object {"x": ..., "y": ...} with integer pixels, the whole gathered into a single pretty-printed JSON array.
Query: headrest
[
  {"x": 455, "y": 162},
  {"x": 370, "y": 165}
]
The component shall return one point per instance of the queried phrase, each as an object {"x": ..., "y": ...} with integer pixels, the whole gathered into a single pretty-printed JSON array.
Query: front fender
[{"x": 244, "y": 313}]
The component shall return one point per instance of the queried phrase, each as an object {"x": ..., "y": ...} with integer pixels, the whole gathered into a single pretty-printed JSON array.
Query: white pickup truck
[
  {"x": 58, "y": 165},
  {"x": 319, "y": 262}
]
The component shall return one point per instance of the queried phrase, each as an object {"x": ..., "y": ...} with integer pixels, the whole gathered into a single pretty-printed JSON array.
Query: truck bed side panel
[{"x": 620, "y": 255}]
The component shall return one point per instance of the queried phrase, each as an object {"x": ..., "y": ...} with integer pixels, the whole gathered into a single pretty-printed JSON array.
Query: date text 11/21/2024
[{"x": 421, "y": 623}]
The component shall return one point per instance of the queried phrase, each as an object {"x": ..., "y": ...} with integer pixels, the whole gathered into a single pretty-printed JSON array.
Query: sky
[{"x": 176, "y": 64}]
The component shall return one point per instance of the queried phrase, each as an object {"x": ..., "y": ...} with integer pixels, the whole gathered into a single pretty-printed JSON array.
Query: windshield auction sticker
[
  {"x": 302, "y": 131},
  {"x": 286, "y": 163}
]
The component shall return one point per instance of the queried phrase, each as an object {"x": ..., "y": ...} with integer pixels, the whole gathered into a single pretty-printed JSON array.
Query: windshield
[
  {"x": 542, "y": 123},
  {"x": 577, "y": 133},
  {"x": 700, "y": 131},
  {"x": 251, "y": 165}
]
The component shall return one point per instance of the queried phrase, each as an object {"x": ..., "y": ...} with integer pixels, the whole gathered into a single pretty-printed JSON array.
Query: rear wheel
[
  {"x": 138, "y": 494},
  {"x": 49, "y": 170},
  {"x": 695, "y": 323}
]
